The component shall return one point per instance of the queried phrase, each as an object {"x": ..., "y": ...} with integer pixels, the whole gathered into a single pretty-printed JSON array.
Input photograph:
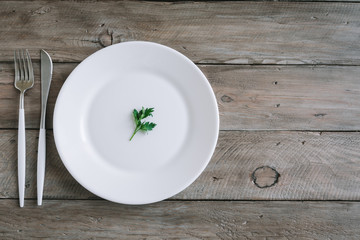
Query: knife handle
[
  {"x": 21, "y": 156},
  {"x": 41, "y": 165}
]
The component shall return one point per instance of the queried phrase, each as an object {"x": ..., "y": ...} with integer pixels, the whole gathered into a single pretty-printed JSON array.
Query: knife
[{"x": 46, "y": 74}]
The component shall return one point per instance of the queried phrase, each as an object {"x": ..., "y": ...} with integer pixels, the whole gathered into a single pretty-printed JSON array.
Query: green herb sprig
[{"x": 143, "y": 126}]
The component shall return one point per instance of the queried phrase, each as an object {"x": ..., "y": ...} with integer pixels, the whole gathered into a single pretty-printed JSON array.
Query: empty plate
[{"x": 93, "y": 123}]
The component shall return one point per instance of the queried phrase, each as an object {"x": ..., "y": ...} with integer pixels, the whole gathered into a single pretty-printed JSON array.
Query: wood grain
[
  {"x": 249, "y": 97},
  {"x": 273, "y": 66},
  {"x": 286, "y": 98},
  {"x": 312, "y": 166},
  {"x": 206, "y": 32},
  {"x": 180, "y": 220}
]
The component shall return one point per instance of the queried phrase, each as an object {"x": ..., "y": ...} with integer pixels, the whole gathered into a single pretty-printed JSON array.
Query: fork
[{"x": 24, "y": 80}]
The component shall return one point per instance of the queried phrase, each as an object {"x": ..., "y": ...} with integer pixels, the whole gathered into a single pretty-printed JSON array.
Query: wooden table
[{"x": 287, "y": 80}]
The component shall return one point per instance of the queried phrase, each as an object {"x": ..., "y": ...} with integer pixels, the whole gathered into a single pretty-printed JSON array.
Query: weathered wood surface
[
  {"x": 249, "y": 97},
  {"x": 312, "y": 166},
  {"x": 206, "y": 32},
  {"x": 180, "y": 220},
  {"x": 231, "y": 42},
  {"x": 282, "y": 98}
]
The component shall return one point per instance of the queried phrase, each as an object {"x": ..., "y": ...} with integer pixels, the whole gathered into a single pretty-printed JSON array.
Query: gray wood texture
[
  {"x": 312, "y": 166},
  {"x": 180, "y": 220},
  {"x": 207, "y": 32},
  {"x": 286, "y": 79},
  {"x": 249, "y": 97}
]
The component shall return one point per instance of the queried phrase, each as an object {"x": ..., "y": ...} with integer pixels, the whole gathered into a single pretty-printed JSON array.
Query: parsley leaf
[
  {"x": 140, "y": 115},
  {"x": 148, "y": 126},
  {"x": 135, "y": 114}
]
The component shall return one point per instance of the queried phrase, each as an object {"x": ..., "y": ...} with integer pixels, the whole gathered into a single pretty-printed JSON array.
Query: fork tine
[
  {"x": 16, "y": 67},
  {"x": 30, "y": 67},
  {"x": 26, "y": 70},
  {"x": 21, "y": 67}
]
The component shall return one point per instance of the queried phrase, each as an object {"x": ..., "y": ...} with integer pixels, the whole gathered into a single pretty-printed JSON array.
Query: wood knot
[
  {"x": 320, "y": 114},
  {"x": 226, "y": 99},
  {"x": 41, "y": 11},
  {"x": 105, "y": 40},
  {"x": 265, "y": 176}
]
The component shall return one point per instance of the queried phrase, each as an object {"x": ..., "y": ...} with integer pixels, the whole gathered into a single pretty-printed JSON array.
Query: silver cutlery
[
  {"x": 46, "y": 74},
  {"x": 24, "y": 80}
]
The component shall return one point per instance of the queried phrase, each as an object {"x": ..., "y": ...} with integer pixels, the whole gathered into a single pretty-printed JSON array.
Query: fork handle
[
  {"x": 21, "y": 156},
  {"x": 41, "y": 165}
]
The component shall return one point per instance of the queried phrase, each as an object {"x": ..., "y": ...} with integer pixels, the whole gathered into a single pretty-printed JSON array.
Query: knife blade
[{"x": 46, "y": 75}]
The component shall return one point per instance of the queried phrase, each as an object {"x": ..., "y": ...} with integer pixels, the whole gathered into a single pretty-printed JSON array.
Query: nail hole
[{"x": 216, "y": 179}]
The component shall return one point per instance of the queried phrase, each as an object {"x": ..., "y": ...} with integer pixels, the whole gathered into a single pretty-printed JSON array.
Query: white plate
[{"x": 93, "y": 123}]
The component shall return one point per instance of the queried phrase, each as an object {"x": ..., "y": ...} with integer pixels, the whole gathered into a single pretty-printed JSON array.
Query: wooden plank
[
  {"x": 311, "y": 165},
  {"x": 180, "y": 220},
  {"x": 249, "y": 97},
  {"x": 286, "y": 98},
  {"x": 206, "y": 32}
]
